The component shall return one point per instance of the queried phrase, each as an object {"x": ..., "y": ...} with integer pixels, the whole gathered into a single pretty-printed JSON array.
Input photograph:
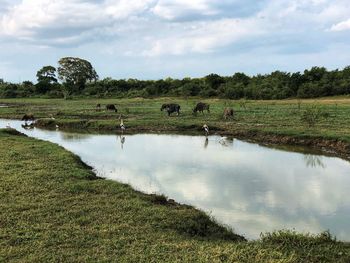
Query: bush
[{"x": 312, "y": 115}]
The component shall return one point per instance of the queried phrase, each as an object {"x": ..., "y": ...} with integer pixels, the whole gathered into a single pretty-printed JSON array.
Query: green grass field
[
  {"x": 54, "y": 209},
  {"x": 283, "y": 117}
]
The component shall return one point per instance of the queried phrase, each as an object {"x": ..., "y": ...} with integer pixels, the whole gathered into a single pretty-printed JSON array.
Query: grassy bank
[
  {"x": 322, "y": 123},
  {"x": 280, "y": 117},
  {"x": 53, "y": 208}
]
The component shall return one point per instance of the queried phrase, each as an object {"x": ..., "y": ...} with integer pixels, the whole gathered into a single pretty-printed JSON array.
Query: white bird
[
  {"x": 206, "y": 129},
  {"x": 57, "y": 127},
  {"x": 8, "y": 126},
  {"x": 122, "y": 126}
]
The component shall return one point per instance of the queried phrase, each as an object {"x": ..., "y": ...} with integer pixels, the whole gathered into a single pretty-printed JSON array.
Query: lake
[{"x": 246, "y": 186}]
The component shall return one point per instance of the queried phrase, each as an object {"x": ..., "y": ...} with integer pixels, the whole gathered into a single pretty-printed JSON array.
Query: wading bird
[
  {"x": 206, "y": 129},
  {"x": 8, "y": 126},
  {"x": 122, "y": 126}
]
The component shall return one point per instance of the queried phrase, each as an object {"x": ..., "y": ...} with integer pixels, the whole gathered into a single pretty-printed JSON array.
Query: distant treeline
[{"x": 312, "y": 83}]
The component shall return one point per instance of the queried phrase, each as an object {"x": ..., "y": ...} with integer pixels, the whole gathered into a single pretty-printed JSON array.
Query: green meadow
[{"x": 327, "y": 118}]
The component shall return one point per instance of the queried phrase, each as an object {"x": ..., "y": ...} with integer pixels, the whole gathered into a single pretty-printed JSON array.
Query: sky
[{"x": 153, "y": 39}]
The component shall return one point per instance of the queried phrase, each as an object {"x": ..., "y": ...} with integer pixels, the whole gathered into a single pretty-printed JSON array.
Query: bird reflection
[
  {"x": 206, "y": 142},
  {"x": 122, "y": 141},
  {"x": 313, "y": 161}
]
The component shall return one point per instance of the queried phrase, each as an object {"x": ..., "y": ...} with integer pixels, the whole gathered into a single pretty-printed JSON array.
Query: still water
[{"x": 246, "y": 186}]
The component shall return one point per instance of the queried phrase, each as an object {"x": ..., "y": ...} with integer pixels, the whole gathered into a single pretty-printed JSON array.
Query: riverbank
[
  {"x": 323, "y": 123},
  {"x": 54, "y": 208}
]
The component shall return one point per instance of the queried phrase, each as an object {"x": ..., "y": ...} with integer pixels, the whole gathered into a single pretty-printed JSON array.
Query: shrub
[{"x": 312, "y": 115}]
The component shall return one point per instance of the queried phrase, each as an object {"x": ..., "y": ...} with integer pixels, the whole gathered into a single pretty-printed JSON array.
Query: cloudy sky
[{"x": 151, "y": 39}]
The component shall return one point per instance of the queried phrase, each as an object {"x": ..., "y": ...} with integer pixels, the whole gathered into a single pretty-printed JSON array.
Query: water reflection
[
  {"x": 28, "y": 126},
  {"x": 249, "y": 187},
  {"x": 206, "y": 142},
  {"x": 121, "y": 138},
  {"x": 313, "y": 161},
  {"x": 74, "y": 136},
  {"x": 224, "y": 141}
]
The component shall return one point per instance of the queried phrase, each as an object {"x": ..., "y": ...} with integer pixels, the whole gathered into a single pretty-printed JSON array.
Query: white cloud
[
  {"x": 30, "y": 17},
  {"x": 165, "y": 33},
  {"x": 345, "y": 25},
  {"x": 197, "y": 26},
  {"x": 204, "y": 37},
  {"x": 172, "y": 9}
]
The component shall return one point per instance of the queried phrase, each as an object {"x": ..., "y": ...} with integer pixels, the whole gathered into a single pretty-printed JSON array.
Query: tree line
[{"x": 76, "y": 77}]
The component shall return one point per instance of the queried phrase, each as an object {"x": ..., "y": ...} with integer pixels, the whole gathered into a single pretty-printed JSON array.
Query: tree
[
  {"x": 46, "y": 79},
  {"x": 75, "y": 72},
  {"x": 240, "y": 78},
  {"x": 47, "y": 74},
  {"x": 214, "y": 80}
]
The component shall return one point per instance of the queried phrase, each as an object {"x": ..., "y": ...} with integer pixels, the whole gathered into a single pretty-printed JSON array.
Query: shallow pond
[{"x": 246, "y": 186}]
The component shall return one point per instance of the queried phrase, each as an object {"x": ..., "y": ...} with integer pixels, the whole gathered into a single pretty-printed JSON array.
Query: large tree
[{"x": 75, "y": 72}]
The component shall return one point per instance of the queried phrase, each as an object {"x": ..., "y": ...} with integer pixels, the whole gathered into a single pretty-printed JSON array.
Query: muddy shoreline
[{"x": 330, "y": 147}]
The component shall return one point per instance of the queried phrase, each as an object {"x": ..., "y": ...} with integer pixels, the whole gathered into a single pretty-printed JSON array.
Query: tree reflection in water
[
  {"x": 74, "y": 136},
  {"x": 313, "y": 161}
]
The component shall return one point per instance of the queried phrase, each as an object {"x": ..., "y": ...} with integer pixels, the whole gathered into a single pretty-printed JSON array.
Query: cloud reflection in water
[{"x": 246, "y": 186}]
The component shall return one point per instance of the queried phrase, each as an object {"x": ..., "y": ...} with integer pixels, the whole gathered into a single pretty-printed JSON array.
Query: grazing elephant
[
  {"x": 201, "y": 107},
  {"x": 170, "y": 108},
  {"x": 111, "y": 107}
]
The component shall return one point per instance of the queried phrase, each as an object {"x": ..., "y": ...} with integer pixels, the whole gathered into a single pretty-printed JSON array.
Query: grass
[
  {"x": 283, "y": 117},
  {"x": 54, "y": 209}
]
